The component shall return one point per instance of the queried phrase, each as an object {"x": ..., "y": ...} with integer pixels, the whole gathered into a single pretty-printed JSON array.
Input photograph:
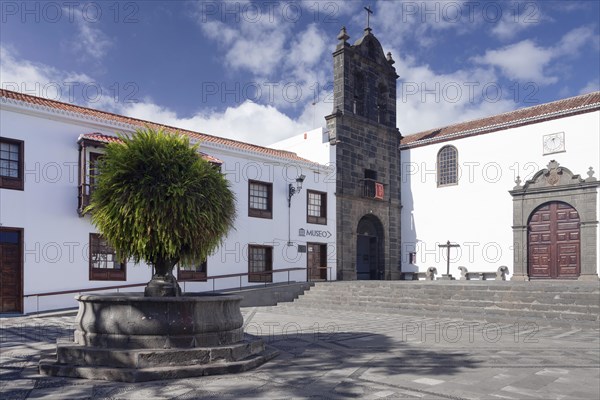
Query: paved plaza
[{"x": 332, "y": 354}]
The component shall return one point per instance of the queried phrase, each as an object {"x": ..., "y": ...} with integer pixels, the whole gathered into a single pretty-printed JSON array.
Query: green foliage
[{"x": 157, "y": 200}]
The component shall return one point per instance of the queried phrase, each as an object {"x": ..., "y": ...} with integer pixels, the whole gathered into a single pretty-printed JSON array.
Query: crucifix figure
[
  {"x": 369, "y": 12},
  {"x": 448, "y": 246}
]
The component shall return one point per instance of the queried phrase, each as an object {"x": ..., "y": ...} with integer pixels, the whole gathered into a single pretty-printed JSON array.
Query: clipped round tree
[{"x": 157, "y": 200}]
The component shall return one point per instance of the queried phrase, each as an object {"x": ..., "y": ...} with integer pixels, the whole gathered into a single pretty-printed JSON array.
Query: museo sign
[{"x": 314, "y": 233}]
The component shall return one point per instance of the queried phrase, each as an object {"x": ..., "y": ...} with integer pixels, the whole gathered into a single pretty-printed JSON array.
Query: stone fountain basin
[
  {"x": 132, "y": 321},
  {"x": 131, "y": 338}
]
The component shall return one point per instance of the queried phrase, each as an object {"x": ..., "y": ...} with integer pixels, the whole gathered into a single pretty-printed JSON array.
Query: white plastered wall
[
  {"x": 56, "y": 238},
  {"x": 477, "y": 212}
]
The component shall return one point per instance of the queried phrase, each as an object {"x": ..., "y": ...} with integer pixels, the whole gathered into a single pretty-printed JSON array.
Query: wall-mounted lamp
[{"x": 293, "y": 190}]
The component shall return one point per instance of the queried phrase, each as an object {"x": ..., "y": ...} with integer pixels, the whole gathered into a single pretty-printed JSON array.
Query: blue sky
[{"x": 262, "y": 71}]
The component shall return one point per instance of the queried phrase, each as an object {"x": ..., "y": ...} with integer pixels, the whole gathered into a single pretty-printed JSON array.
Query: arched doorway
[
  {"x": 369, "y": 249},
  {"x": 554, "y": 242}
]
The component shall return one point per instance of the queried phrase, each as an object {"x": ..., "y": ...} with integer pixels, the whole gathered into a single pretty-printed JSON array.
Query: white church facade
[
  {"x": 50, "y": 251},
  {"x": 517, "y": 189}
]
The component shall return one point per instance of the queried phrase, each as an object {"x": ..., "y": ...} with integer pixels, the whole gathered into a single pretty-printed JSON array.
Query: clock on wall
[{"x": 554, "y": 143}]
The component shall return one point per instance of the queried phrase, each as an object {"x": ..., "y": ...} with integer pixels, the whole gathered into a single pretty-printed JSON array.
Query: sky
[{"x": 261, "y": 71}]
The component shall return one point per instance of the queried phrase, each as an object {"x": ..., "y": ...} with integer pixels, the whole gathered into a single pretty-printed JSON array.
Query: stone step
[
  {"x": 523, "y": 319},
  {"x": 590, "y": 304},
  {"x": 545, "y": 299},
  {"x": 532, "y": 287},
  {"x": 448, "y": 292},
  {"x": 490, "y": 314},
  {"x": 569, "y": 298},
  {"x": 474, "y": 310},
  {"x": 564, "y": 303},
  {"x": 52, "y": 368},
  {"x": 442, "y": 290},
  {"x": 454, "y": 306},
  {"x": 76, "y": 354}
]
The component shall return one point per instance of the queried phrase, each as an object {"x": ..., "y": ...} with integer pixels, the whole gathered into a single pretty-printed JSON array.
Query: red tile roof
[
  {"x": 7, "y": 95},
  {"x": 102, "y": 138},
  {"x": 524, "y": 116}
]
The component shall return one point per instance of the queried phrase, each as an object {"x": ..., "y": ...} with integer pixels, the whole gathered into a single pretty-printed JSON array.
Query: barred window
[
  {"x": 447, "y": 166},
  {"x": 260, "y": 199},
  {"x": 11, "y": 164},
  {"x": 260, "y": 260},
  {"x": 103, "y": 261},
  {"x": 316, "y": 207}
]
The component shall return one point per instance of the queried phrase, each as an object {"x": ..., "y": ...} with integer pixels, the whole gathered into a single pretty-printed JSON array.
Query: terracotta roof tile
[
  {"x": 102, "y": 138},
  {"x": 107, "y": 116},
  {"x": 524, "y": 116}
]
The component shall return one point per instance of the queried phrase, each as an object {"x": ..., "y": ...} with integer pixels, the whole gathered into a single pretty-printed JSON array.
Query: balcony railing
[
  {"x": 373, "y": 189},
  {"x": 214, "y": 278}
]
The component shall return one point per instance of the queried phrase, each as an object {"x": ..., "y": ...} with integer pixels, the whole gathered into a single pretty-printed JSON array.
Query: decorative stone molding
[{"x": 556, "y": 183}]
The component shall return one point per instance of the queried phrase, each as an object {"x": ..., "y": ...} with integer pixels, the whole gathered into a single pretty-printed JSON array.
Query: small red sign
[{"x": 379, "y": 190}]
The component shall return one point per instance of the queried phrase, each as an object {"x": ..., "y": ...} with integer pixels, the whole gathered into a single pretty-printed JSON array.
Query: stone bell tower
[{"x": 363, "y": 129}]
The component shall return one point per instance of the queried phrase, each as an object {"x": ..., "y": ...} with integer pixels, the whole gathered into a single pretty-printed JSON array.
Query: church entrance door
[
  {"x": 369, "y": 249},
  {"x": 554, "y": 242}
]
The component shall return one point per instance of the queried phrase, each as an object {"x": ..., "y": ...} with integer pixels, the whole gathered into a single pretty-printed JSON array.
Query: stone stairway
[{"x": 559, "y": 303}]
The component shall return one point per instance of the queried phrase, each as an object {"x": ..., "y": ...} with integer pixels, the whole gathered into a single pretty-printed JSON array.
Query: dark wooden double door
[
  {"x": 554, "y": 242},
  {"x": 11, "y": 251}
]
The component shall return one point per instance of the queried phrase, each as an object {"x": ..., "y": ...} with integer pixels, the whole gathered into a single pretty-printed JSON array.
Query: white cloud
[
  {"x": 248, "y": 122},
  {"x": 527, "y": 61},
  {"x": 37, "y": 79},
  {"x": 396, "y": 21},
  {"x": 517, "y": 18},
  {"x": 570, "y": 6},
  {"x": 265, "y": 124},
  {"x": 307, "y": 61},
  {"x": 307, "y": 48},
  {"x": 523, "y": 61},
  {"x": 256, "y": 41},
  {"x": 428, "y": 100},
  {"x": 573, "y": 41},
  {"x": 89, "y": 40},
  {"x": 592, "y": 86},
  {"x": 291, "y": 65}
]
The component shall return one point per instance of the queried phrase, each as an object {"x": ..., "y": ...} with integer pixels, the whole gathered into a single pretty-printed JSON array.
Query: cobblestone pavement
[{"x": 336, "y": 354}]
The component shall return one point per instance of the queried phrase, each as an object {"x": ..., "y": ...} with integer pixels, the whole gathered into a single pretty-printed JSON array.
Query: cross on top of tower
[{"x": 369, "y": 12}]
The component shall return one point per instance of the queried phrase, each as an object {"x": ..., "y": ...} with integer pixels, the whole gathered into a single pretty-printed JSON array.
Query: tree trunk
[{"x": 163, "y": 283}]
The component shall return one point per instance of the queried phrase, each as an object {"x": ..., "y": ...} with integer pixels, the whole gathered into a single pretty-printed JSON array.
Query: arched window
[{"x": 447, "y": 166}]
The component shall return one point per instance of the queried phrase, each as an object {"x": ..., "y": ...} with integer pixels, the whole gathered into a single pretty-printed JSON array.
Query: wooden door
[
  {"x": 374, "y": 267},
  {"x": 554, "y": 241},
  {"x": 10, "y": 270},
  {"x": 317, "y": 261},
  {"x": 363, "y": 257}
]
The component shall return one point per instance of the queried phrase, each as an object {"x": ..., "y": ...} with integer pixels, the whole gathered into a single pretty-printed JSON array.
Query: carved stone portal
[{"x": 556, "y": 184}]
